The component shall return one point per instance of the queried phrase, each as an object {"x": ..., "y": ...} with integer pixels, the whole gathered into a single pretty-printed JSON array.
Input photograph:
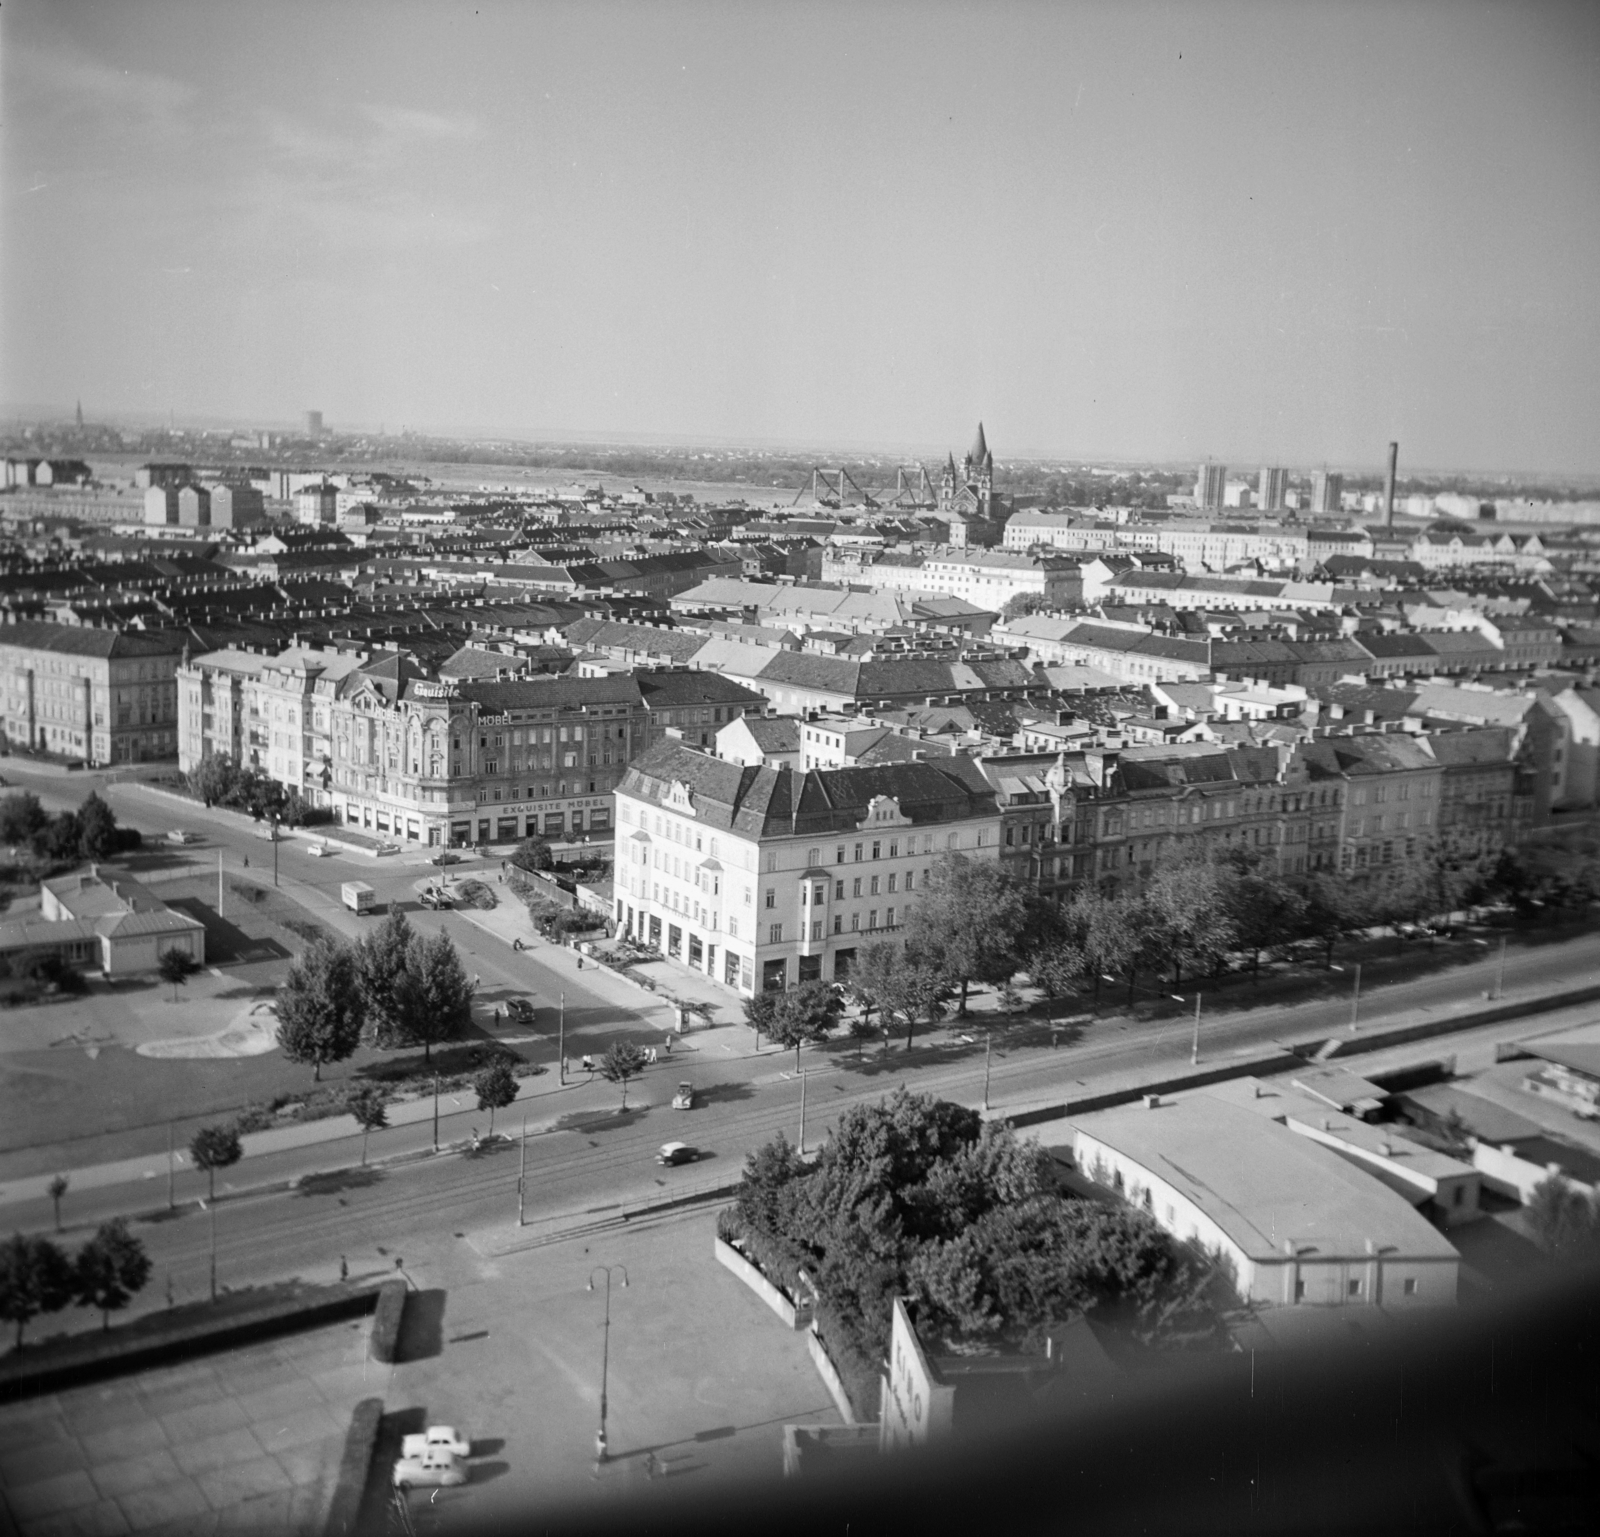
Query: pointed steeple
[
  {"x": 980, "y": 448},
  {"x": 950, "y": 465},
  {"x": 80, "y": 413}
]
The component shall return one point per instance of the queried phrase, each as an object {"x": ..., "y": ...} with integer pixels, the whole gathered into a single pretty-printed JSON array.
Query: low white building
[
  {"x": 1293, "y": 1222},
  {"x": 765, "y": 878}
]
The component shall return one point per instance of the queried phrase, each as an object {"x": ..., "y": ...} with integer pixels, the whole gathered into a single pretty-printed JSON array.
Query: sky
[{"x": 1253, "y": 232}]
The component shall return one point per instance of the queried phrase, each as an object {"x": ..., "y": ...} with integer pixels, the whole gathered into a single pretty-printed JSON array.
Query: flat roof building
[{"x": 1293, "y": 1221}]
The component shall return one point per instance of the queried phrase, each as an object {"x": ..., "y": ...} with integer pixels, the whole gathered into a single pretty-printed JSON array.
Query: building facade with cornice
[{"x": 766, "y": 878}]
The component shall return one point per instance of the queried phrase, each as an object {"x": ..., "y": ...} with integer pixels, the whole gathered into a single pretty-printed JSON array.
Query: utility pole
[
  {"x": 605, "y": 1356},
  {"x": 274, "y": 848},
  {"x": 802, "y": 1112},
  {"x": 219, "y": 883},
  {"x": 1355, "y": 1001},
  {"x": 561, "y": 1041},
  {"x": 436, "y": 1112},
  {"x": 1500, "y": 972},
  {"x": 988, "y": 1038},
  {"x": 170, "y": 1156},
  {"x": 1194, "y": 1050},
  {"x": 522, "y": 1173}
]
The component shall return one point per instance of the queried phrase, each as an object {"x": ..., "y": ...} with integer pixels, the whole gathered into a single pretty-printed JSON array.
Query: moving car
[
  {"x": 387, "y": 848},
  {"x": 436, "y": 1437},
  {"x": 182, "y": 835},
  {"x": 677, "y": 1152},
  {"x": 445, "y": 857},
  {"x": 520, "y": 1009},
  {"x": 319, "y": 850},
  {"x": 435, "y": 1467},
  {"x": 684, "y": 1098}
]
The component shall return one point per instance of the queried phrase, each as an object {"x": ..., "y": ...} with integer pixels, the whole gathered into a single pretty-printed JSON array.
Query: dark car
[
  {"x": 677, "y": 1152},
  {"x": 520, "y": 1010}
]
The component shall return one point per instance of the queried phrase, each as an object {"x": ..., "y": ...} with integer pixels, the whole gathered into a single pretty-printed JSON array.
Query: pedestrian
[
  {"x": 344, "y": 1268},
  {"x": 669, "y": 1045},
  {"x": 497, "y": 1016},
  {"x": 474, "y": 1139},
  {"x": 247, "y": 861}
]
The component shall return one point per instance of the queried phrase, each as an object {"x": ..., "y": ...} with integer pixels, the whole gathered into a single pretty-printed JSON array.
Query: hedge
[
  {"x": 354, "y": 1466},
  {"x": 386, "y": 1321}
]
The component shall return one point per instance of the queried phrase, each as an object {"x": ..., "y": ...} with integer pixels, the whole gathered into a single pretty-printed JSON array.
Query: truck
[{"x": 357, "y": 896}]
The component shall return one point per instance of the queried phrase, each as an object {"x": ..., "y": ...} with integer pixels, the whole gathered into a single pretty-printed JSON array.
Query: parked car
[
  {"x": 684, "y": 1098},
  {"x": 435, "y": 1467},
  {"x": 445, "y": 857},
  {"x": 521, "y": 1010},
  {"x": 319, "y": 850},
  {"x": 677, "y": 1152},
  {"x": 182, "y": 835},
  {"x": 387, "y": 848},
  {"x": 436, "y": 1438},
  {"x": 433, "y": 898}
]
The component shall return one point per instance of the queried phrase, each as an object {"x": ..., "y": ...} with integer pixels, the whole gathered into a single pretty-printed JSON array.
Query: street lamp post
[
  {"x": 600, "y": 1452},
  {"x": 988, "y": 1038},
  {"x": 802, "y": 1112},
  {"x": 1194, "y": 1050},
  {"x": 274, "y": 848},
  {"x": 436, "y": 1112},
  {"x": 522, "y": 1173},
  {"x": 561, "y": 1041}
]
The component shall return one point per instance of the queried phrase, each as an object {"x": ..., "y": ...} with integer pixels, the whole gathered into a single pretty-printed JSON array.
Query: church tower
[{"x": 978, "y": 472}]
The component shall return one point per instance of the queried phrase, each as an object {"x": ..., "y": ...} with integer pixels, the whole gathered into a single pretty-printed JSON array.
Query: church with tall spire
[{"x": 966, "y": 495}]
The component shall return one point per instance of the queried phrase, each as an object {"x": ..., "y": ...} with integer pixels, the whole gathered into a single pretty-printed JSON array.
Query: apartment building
[
  {"x": 103, "y": 695},
  {"x": 765, "y": 878},
  {"x": 274, "y": 714},
  {"x": 987, "y": 578}
]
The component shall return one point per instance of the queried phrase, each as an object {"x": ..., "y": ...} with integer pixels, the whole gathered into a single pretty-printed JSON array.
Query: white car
[
  {"x": 436, "y": 1469},
  {"x": 182, "y": 835},
  {"x": 442, "y": 1438},
  {"x": 387, "y": 848},
  {"x": 319, "y": 850}
]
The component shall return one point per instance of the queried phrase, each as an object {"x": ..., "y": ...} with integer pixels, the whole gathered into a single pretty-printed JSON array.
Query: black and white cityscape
[{"x": 836, "y": 762}]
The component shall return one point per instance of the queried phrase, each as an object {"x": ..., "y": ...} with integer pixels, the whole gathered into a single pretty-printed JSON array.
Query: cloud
[
  {"x": 412, "y": 124},
  {"x": 68, "y": 81}
]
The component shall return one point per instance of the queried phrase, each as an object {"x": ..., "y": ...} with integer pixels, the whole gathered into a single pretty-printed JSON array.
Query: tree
[
  {"x": 35, "y": 1277},
  {"x": 761, "y": 1012},
  {"x": 903, "y": 988},
  {"x": 21, "y": 816},
  {"x": 533, "y": 854},
  {"x": 622, "y": 1061},
  {"x": 496, "y": 1086},
  {"x": 1188, "y": 919},
  {"x": 1565, "y": 1222},
  {"x": 214, "y": 778},
  {"x": 862, "y": 1030},
  {"x": 968, "y": 922},
  {"x": 1264, "y": 911},
  {"x": 98, "y": 834},
  {"x": 111, "y": 1268},
  {"x": 367, "y": 1105},
  {"x": 59, "y": 838},
  {"x": 805, "y": 1014},
  {"x": 434, "y": 995},
  {"x": 58, "y": 1187},
  {"x": 380, "y": 959},
  {"x": 213, "y": 1148},
  {"x": 1333, "y": 908},
  {"x": 319, "y": 1006},
  {"x": 176, "y": 966}
]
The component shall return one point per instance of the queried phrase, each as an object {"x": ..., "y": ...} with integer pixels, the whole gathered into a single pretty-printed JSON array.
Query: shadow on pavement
[
  {"x": 421, "y": 1326},
  {"x": 723, "y": 1093},
  {"x": 601, "y": 1120},
  {"x": 483, "y": 1472}
]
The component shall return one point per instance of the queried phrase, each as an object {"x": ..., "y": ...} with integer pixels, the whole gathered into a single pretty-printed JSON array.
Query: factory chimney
[{"x": 1388, "y": 486}]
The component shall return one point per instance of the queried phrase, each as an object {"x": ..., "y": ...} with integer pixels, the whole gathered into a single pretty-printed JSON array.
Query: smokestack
[{"x": 1388, "y": 486}]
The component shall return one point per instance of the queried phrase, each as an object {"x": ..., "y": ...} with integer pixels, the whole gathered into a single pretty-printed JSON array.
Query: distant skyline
[{"x": 1121, "y": 231}]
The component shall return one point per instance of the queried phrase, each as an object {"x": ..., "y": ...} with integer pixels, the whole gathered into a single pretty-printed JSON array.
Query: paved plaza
[
  {"x": 701, "y": 1379},
  {"x": 247, "y": 1440}
]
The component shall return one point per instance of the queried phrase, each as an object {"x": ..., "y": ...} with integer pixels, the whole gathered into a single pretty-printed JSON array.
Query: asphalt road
[{"x": 586, "y": 1157}]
